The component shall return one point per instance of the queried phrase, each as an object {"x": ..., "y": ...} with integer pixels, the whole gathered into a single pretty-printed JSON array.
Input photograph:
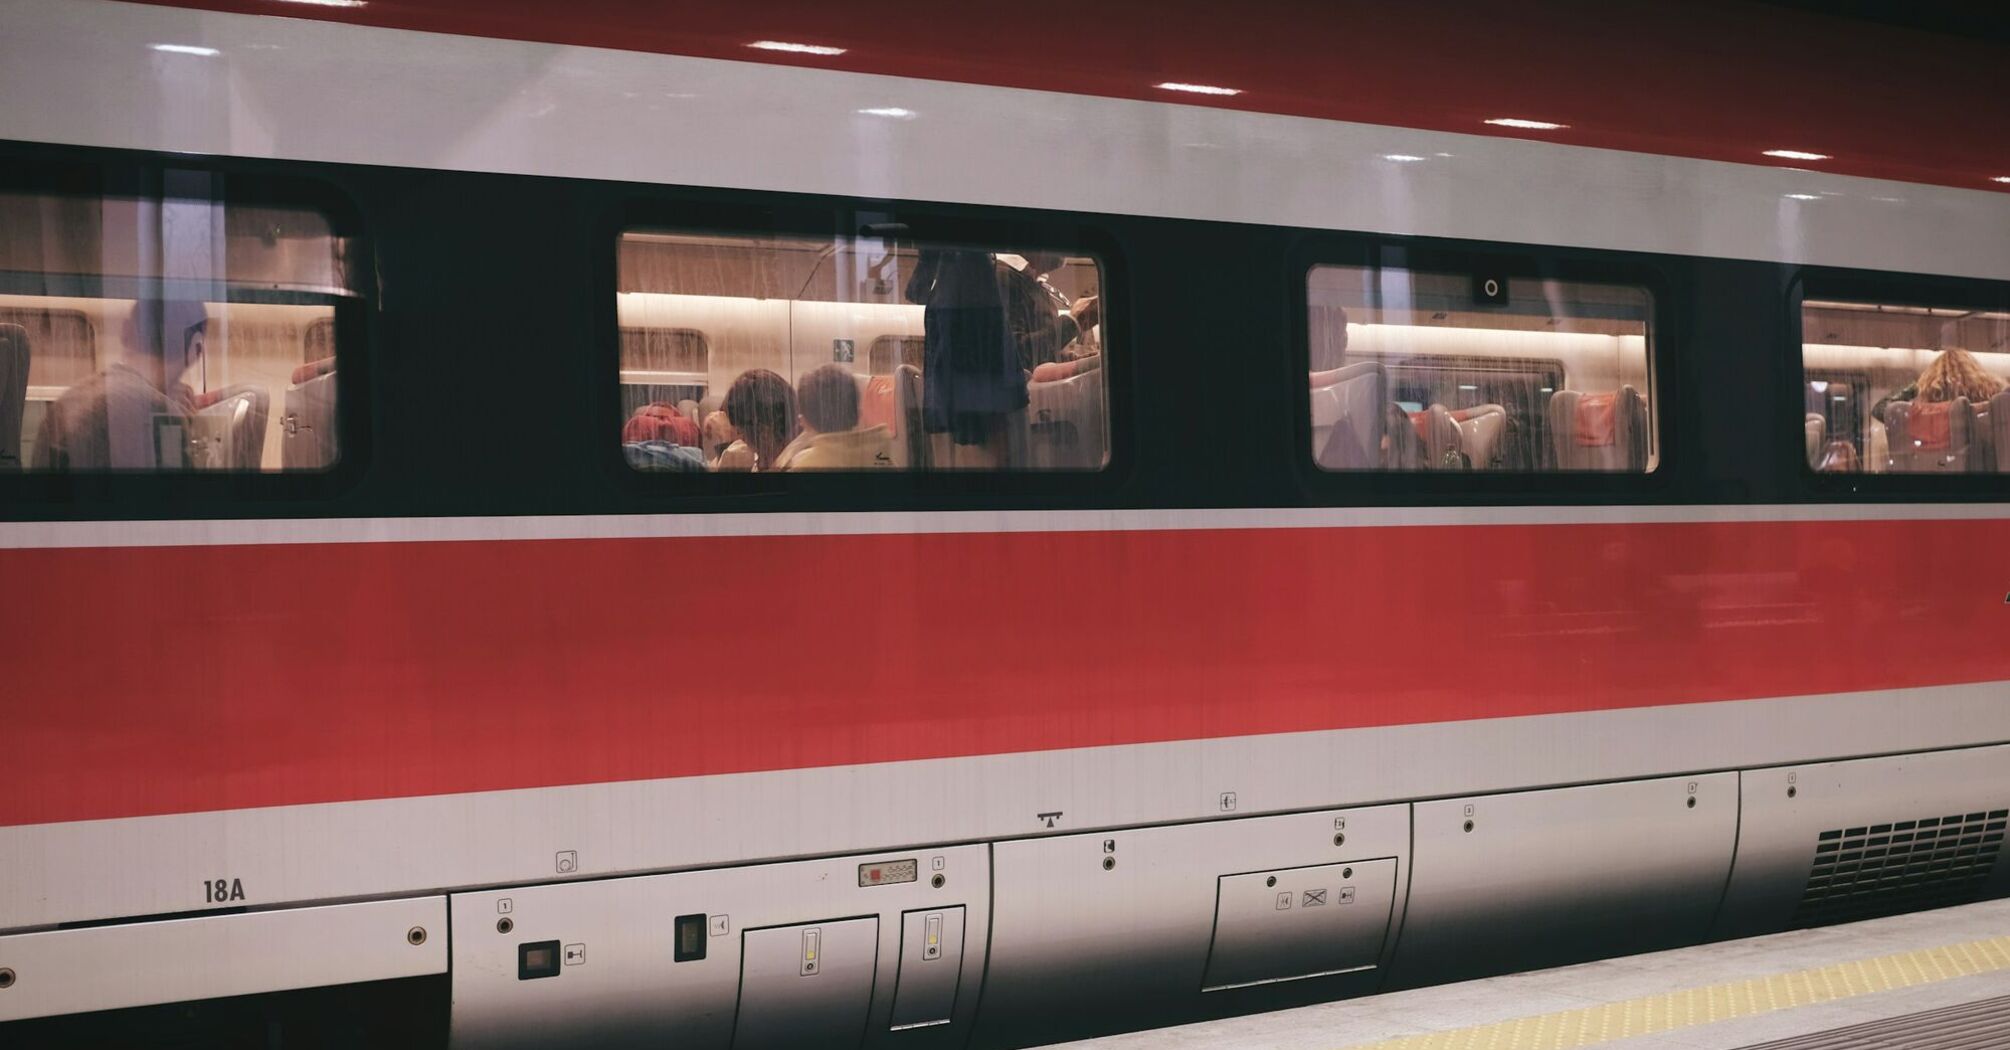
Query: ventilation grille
[{"x": 1884, "y": 869}]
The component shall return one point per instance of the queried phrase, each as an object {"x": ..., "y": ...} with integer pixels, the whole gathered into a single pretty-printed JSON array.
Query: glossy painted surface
[
  {"x": 419, "y": 669},
  {"x": 1721, "y": 79},
  {"x": 86, "y": 71}
]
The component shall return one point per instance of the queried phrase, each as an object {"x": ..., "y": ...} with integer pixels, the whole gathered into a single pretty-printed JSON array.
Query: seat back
[
  {"x": 229, "y": 433},
  {"x": 1443, "y": 442},
  {"x": 1481, "y": 428},
  {"x": 1816, "y": 429},
  {"x": 1999, "y": 432},
  {"x": 1599, "y": 431},
  {"x": 910, "y": 448},
  {"x": 13, "y": 393},
  {"x": 1347, "y": 416},
  {"x": 1064, "y": 423},
  {"x": 307, "y": 427},
  {"x": 1930, "y": 437}
]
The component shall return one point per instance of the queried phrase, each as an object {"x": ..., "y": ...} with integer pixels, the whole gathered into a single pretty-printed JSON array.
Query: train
[{"x": 885, "y": 526}]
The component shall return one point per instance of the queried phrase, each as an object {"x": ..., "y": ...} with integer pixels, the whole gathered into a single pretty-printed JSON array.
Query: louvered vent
[{"x": 1884, "y": 869}]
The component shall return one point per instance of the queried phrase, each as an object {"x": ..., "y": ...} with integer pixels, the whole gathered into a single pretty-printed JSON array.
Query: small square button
[
  {"x": 504, "y": 905},
  {"x": 575, "y": 954},
  {"x": 721, "y": 925}
]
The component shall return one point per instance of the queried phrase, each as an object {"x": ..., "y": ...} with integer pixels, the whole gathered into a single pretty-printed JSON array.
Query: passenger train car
[{"x": 900, "y": 525}]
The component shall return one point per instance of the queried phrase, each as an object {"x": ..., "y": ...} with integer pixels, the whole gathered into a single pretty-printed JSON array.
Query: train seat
[
  {"x": 1930, "y": 437},
  {"x": 1815, "y": 430},
  {"x": 1347, "y": 416},
  {"x": 690, "y": 409},
  {"x": 1444, "y": 444},
  {"x": 228, "y": 431},
  {"x": 307, "y": 424},
  {"x": 13, "y": 393},
  {"x": 1064, "y": 422},
  {"x": 1481, "y": 429},
  {"x": 876, "y": 405},
  {"x": 910, "y": 447},
  {"x": 1999, "y": 432},
  {"x": 1599, "y": 431}
]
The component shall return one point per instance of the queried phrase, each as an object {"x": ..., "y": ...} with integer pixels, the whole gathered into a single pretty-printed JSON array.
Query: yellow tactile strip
[{"x": 1591, "y": 1025}]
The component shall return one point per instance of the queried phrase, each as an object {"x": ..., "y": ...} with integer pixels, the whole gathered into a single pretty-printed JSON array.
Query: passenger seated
[
  {"x": 659, "y": 437},
  {"x": 717, "y": 434},
  {"x": 762, "y": 407},
  {"x": 1955, "y": 373},
  {"x": 134, "y": 415},
  {"x": 831, "y": 438}
]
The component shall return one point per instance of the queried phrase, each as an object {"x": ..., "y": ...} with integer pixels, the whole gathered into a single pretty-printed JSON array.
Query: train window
[
  {"x": 1416, "y": 371},
  {"x": 1904, "y": 388},
  {"x": 173, "y": 330},
  {"x": 768, "y": 352}
]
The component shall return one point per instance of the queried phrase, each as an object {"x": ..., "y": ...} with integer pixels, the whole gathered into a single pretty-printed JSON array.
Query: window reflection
[
  {"x": 1434, "y": 372},
  {"x": 770, "y": 353},
  {"x": 1905, "y": 389}
]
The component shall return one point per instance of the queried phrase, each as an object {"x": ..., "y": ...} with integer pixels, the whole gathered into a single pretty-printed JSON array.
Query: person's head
[
  {"x": 718, "y": 432},
  {"x": 762, "y": 408},
  {"x": 167, "y": 335},
  {"x": 657, "y": 421},
  {"x": 1956, "y": 373},
  {"x": 828, "y": 399},
  {"x": 1039, "y": 264}
]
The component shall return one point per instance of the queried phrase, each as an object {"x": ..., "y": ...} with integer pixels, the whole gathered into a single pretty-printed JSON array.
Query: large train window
[
  {"x": 1905, "y": 388},
  {"x": 170, "y": 329},
  {"x": 767, "y": 352},
  {"x": 1416, "y": 371}
]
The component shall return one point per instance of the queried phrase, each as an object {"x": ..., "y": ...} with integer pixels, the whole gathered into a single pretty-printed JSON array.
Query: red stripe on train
[
  {"x": 1711, "y": 79},
  {"x": 161, "y": 680}
]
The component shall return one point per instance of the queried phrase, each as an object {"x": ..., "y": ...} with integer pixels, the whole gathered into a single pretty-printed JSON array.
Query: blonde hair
[{"x": 1956, "y": 373}]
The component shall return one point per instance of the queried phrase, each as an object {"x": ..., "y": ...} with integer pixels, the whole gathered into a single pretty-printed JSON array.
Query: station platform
[{"x": 1937, "y": 980}]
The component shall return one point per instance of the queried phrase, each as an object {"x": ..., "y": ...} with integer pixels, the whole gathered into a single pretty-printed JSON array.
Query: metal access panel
[
  {"x": 807, "y": 985},
  {"x": 1300, "y": 922},
  {"x": 1835, "y": 841},
  {"x": 690, "y": 959},
  {"x": 1097, "y": 931},
  {"x": 1542, "y": 878},
  {"x": 178, "y": 960},
  {"x": 931, "y": 956}
]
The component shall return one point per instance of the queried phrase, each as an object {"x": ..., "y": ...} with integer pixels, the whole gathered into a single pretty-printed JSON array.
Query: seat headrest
[
  {"x": 1930, "y": 424},
  {"x": 312, "y": 369},
  {"x": 1595, "y": 424}
]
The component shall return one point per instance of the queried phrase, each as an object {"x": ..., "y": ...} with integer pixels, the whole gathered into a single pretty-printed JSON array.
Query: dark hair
[
  {"x": 762, "y": 408},
  {"x": 828, "y": 398}
]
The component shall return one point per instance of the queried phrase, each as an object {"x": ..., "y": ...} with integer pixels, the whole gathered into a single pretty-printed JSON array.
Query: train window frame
[
  {"x": 1866, "y": 286},
  {"x": 1666, "y": 398},
  {"x": 86, "y": 171},
  {"x": 765, "y": 213}
]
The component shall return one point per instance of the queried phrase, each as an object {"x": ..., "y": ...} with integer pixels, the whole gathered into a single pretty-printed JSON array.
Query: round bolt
[
  {"x": 6, "y": 977},
  {"x": 937, "y": 881},
  {"x": 1346, "y": 873},
  {"x": 504, "y": 925},
  {"x": 1692, "y": 802},
  {"x": 1792, "y": 791},
  {"x": 1340, "y": 839},
  {"x": 416, "y": 935},
  {"x": 1271, "y": 881},
  {"x": 1109, "y": 863},
  {"x": 1469, "y": 826}
]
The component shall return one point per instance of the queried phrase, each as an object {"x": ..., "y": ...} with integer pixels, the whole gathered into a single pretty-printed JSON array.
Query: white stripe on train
[
  {"x": 222, "y": 533},
  {"x": 89, "y": 72}
]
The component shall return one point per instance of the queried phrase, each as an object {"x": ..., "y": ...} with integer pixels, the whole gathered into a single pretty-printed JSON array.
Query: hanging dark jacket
[{"x": 970, "y": 368}]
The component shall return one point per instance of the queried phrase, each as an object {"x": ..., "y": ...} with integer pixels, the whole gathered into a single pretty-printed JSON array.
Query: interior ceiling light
[
  {"x": 1796, "y": 154},
  {"x": 329, "y": 3},
  {"x": 1526, "y": 125},
  {"x": 1197, "y": 89},
  {"x": 797, "y": 49},
  {"x": 186, "y": 49}
]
